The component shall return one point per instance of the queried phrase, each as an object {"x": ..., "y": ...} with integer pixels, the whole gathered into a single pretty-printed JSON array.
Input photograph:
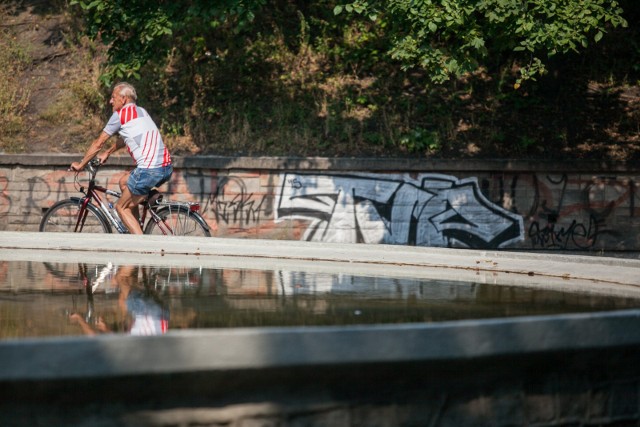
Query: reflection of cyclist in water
[
  {"x": 144, "y": 311},
  {"x": 148, "y": 317}
]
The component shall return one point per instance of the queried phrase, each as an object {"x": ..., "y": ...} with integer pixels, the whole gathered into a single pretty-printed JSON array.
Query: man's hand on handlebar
[
  {"x": 77, "y": 166},
  {"x": 102, "y": 157}
]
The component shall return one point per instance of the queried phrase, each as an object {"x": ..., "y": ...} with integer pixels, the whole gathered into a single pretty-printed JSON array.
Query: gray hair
[{"x": 125, "y": 89}]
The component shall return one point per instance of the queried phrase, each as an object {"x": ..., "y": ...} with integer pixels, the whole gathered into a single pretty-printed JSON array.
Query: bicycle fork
[{"x": 82, "y": 215}]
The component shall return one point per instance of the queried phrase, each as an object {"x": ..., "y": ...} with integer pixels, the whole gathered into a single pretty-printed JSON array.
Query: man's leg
[
  {"x": 123, "y": 185},
  {"x": 125, "y": 207}
]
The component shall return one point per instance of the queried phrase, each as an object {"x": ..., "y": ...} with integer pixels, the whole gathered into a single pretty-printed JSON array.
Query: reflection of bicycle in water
[
  {"x": 89, "y": 318},
  {"x": 141, "y": 310},
  {"x": 90, "y": 214}
]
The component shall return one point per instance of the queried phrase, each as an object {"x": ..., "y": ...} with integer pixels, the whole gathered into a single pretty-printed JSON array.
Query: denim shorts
[{"x": 141, "y": 181}]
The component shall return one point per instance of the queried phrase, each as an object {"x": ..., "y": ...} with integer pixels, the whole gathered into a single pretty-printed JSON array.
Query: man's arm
[
  {"x": 109, "y": 151},
  {"x": 94, "y": 149}
]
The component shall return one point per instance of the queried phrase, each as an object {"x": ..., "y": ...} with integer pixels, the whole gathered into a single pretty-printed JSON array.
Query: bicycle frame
[{"x": 92, "y": 196}]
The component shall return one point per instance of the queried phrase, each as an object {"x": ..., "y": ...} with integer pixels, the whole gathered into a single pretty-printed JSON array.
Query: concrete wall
[
  {"x": 476, "y": 204},
  {"x": 550, "y": 372}
]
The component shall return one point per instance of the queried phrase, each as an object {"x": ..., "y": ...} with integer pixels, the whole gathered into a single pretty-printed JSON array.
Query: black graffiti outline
[
  {"x": 242, "y": 208},
  {"x": 550, "y": 237}
]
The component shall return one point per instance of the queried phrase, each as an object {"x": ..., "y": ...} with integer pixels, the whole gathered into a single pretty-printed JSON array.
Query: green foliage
[
  {"x": 330, "y": 77},
  {"x": 453, "y": 37},
  {"x": 445, "y": 38},
  {"x": 139, "y": 31},
  {"x": 420, "y": 140}
]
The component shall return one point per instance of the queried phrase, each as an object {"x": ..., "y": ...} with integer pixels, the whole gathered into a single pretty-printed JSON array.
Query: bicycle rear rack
[{"x": 191, "y": 206}]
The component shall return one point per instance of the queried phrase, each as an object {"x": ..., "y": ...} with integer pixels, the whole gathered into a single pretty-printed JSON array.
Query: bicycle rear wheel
[
  {"x": 178, "y": 221},
  {"x": 62, "y": 217}
]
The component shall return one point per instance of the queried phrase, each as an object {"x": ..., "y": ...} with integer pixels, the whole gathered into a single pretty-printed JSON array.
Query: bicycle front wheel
[
  {"x": 177, "y": 221},
  {"x": 65, "y": 217}
]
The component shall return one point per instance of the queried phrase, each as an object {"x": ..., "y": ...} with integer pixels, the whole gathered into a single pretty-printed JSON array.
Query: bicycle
[{"x": 90, "y": 214}]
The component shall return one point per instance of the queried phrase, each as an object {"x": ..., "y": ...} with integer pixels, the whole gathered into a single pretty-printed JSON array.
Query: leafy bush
[
  {"x": 306, "y": 78},
  {"x": 453, "y": 37}
]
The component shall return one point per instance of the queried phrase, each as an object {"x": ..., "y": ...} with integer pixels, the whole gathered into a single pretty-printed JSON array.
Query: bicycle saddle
[{"x": 154, "y": 197}]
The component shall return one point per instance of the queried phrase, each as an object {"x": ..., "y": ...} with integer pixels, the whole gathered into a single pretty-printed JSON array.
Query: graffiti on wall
[
  {"x": 428, "y": 210},
  {"x": 233, "y": 203},
  {"x": 495, "y": 210},
  {"x": 5, "y": 202},
  {"x": 562, "y": 220},
  {"x": 227, "y": 198},
  {"x": 549, "y": 228},
  {"x": 5, "y": 197},
  {"x": 35, "y": 199}
]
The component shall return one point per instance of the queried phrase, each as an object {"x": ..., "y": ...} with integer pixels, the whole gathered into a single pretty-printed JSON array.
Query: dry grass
[
  {"x": 14, "y": 94},
  {"x": 80, "y": 93}
]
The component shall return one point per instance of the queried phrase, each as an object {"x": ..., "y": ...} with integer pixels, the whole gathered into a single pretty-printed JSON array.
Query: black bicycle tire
[
  {"x": 92, "y": 210},
  {"x": 180, "y": 210}
]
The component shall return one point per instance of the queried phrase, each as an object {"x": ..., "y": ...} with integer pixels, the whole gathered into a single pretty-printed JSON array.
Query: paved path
[{"x": 586, "y": 274}]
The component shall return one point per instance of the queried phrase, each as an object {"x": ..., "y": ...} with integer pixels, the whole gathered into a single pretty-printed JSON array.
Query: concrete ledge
[
  {"x": 345, "y": 164},
  {"x": 308, "y": 347}
]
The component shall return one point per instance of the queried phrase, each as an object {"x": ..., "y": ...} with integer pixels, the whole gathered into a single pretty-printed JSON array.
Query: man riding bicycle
[{"x": 140, "y": 135}]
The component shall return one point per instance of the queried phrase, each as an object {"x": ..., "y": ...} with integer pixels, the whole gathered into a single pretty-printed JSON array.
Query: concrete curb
[{"x": 261, "y": 348}]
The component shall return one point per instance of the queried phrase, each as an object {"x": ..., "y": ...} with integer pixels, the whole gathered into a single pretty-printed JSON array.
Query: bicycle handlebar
[{"x": 92, "y": 167}]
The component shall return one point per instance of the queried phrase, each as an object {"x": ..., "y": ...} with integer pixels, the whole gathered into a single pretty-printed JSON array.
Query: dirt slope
[{"x": 60, "y": 72}]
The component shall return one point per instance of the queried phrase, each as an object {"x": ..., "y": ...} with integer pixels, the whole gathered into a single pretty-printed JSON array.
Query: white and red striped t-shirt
[{"x": 141, "y": 135}]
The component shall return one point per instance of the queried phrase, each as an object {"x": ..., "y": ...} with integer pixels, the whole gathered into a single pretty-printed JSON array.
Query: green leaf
[
  {"x": 477, "y": 43},
  {"x": 337, "y": 10},
  {"x": 598, "y": 36}
]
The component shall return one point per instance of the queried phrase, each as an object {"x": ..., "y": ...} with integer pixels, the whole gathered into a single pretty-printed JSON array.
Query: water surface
[{"x": 39, "y": 299}]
